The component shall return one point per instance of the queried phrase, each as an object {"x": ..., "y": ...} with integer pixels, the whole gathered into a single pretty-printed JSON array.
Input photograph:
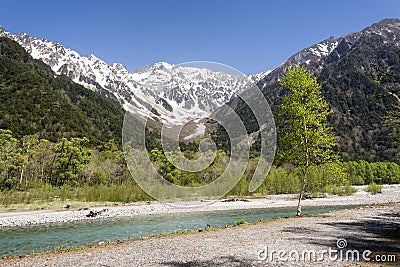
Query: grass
[{"x": 55, "y": 197}]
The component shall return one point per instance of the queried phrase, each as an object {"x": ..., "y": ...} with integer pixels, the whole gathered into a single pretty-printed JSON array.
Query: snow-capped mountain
[
  {"x": 317, "y": 56},
  {"x": 261, "y": 75},
  {"x": 177, "y": 94},
  {"x": 343, "y": 66},
  {"x": 171, "y": 94}
]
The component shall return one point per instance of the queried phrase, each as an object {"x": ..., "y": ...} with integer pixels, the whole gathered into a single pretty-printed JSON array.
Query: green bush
[
  {"x": 10, "y": 183},
  {"x": 281, "y": 181},
  {"x": 241, "y": 188},
  {"x": 343, "y": 190},
  {"x": 362, "y": 172},
  {"x": 99, "y": 176},
  {"x": 240, "y": 222},
  {"x": 374, "y": 188}
]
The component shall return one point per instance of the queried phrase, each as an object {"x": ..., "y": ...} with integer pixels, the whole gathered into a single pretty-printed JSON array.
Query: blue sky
[{"x": 251, "y": 36}]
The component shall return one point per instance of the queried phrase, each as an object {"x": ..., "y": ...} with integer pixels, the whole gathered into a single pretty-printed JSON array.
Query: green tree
[
  {"x": 28, "y": 142},
  {"x": 9, "y": 158},
  {"x": 106, "y": 166},
  {"x": 306, "y": 139},
  {"x": 42, "y": 160},
  {"x": 71, "y": 157}
]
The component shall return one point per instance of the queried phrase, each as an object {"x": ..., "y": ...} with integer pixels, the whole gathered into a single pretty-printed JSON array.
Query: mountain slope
[
  {"x": 34, "y": 99},
  {"x": 360, "y": 104}
]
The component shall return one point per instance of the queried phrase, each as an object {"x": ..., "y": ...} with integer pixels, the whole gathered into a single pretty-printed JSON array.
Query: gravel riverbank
[
  {"x": 390, "y": 194},
  {"x": 371, "y": 232}
]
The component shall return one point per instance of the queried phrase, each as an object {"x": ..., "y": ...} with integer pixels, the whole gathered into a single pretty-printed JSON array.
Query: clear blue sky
[{"x": 251, "y": 36}]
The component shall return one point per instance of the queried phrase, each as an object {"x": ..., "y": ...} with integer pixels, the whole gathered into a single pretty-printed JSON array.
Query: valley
[{"x": 79, "y": 134}]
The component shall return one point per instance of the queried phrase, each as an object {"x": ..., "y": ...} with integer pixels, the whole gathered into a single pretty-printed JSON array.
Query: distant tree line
[{"x": 32, "y": 162}]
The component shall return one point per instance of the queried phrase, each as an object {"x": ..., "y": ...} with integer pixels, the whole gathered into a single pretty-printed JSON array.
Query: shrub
[
  {"x": 241, "y": 221},
  {"x": 344, "y": 190},
  {"x": 374, "y": 188},
  {"x": 10, "y": 183}
]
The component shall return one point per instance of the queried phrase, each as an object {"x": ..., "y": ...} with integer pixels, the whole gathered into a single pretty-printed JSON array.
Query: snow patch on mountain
[
  {"x": 261, "y": 75},
  {"x": 324, "y": 49}
]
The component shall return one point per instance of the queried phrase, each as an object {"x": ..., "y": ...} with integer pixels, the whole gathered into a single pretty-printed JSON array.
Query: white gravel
[{"x": 390, "y": 194}]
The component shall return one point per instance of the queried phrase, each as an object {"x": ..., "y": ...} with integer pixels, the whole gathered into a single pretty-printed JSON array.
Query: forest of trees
[
  {"x": 34, "y": 168},
  {"x": 32, "y": 161}
]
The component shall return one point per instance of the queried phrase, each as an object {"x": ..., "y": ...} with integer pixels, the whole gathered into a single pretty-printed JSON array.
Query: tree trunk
[
  {"x": 51, "y": 169},
  {"x": 21, "y": 175},
  {"x": 303, "y": 186}
]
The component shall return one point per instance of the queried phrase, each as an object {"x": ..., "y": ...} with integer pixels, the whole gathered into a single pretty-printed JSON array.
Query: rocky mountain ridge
[{"x": 169, "y": 94}]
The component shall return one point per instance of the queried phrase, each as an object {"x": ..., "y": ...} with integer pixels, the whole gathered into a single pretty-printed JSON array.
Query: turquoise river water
[{"x": 33, "y": 239}]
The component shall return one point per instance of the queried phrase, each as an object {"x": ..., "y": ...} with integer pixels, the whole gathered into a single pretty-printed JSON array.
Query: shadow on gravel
[
  {"x": 379, "y": 234},
  {"x": 221, "y": 262}
]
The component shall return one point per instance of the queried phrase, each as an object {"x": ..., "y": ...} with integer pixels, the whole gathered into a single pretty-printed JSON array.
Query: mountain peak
[
  {"x": 342, "y": 66},
  {"x": 388, "y": 21},
  {"x": 163, "y": 64},
  {"x": 155, "y": 66},
  {"x": 385, "y": 25},
  {"x": 118, "y": 66},
  {"x": 92, "y": 57}
]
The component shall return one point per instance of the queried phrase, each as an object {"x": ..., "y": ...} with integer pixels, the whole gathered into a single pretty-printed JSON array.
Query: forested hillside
[
  {"x": 34, "y": 100},
  {"x": 360, "y": 103}
]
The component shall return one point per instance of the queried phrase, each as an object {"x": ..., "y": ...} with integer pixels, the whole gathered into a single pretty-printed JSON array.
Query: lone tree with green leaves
[{"x": 306, "y": 139}]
